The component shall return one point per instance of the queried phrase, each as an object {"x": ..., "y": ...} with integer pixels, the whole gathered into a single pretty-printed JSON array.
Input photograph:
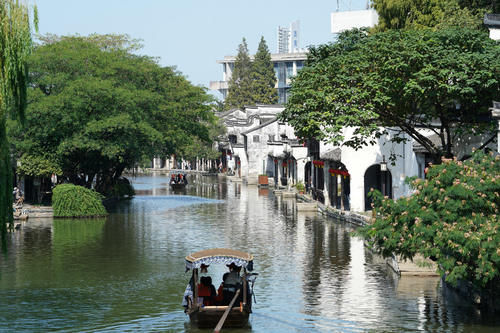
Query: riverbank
[
  {"x": 419, "y": 266},
  {"x": 34, "y": 211}
]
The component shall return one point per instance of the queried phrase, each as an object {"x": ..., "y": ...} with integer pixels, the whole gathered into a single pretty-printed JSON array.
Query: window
[
  {"x": 289, "y": 70},
  {"x": 256, "y": 138},
  {"x": 233, "y": 139},
  {"x": 271, "y": 138},
  {"x": 300, "y": 64}
]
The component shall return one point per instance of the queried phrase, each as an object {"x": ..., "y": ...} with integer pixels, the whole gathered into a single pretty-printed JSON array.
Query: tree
[
  {"x": 264, "y": 78},
  {"x": 440, "y": 80},
  {"x": 437, "y": 14},
  {"x": 452, "y": 218},
  {"x": 15, "y": 47},
  {"x": 96, "y": 109},
  {"x": 240, "y": 85}
]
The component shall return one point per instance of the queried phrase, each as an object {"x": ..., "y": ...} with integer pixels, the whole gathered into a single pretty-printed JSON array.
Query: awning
[{"x": 219, "y": 256}]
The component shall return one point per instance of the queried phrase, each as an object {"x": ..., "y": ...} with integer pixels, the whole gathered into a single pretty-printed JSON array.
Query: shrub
[
  {"x": 122, "y": 188},
  {"x": 70, "y": 200},
  {"x": 452, "y": 218},
  {"x": 300, "y": 186}
]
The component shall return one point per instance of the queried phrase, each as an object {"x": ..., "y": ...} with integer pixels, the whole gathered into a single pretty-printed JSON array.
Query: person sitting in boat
[
  {"x": 172, "y": 179},
  {"x": 181, "y": 179},
  {"x": 220, "y": 292},
  {"x": 231, "y": 283},
  {"x": 206, "y": 290},
  {"x": 185, "y": 179}
]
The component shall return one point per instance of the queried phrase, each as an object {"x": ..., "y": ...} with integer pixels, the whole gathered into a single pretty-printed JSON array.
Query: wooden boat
[
  {"x": 178, "y": 181},
  {"x": 177, "y": 186},
  {"x": 237, "y": 312}
]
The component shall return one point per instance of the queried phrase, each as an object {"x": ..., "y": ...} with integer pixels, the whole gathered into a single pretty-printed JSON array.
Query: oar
[{"x": 224, "y": 316}]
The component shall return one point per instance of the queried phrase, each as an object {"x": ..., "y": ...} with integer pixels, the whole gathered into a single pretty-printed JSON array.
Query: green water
[{"x": 126, "y": 273}]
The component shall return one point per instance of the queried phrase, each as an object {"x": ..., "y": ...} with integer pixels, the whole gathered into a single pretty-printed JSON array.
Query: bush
[
  {"x": 451, "y": 218},
  {"x": 300, "y": 187},
  {"x": 70, "y": 200},
  {"x": 122, "y": 188}
]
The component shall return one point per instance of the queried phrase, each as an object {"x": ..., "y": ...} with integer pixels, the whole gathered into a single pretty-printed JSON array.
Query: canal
[{"x": 126, "y": 273}]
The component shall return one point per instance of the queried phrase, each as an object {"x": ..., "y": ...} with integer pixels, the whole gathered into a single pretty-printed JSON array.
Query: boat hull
[
  {"x": 178, "y": 186},
  {"x": 208, "y": 318}
]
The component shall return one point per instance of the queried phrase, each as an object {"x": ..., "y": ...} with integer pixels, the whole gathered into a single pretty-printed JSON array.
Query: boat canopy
[{"x": 219, "y": 256}]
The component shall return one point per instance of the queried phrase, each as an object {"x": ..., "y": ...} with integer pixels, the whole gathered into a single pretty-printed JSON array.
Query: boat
[
  {"x": 178, "y": 181},
  {"x": 234, "y": 314},
  {"x": 177, "y": 186}
]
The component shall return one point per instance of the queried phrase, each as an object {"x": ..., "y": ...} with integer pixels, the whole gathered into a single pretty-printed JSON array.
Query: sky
[{"x": 193, "y": 34}]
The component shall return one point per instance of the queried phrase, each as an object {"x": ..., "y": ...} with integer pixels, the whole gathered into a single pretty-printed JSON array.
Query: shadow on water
[{"x": 127, "y": 273}]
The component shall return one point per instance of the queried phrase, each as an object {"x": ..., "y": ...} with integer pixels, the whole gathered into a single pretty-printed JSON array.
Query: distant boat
[
  {"x": 177, "y": 186},
  {"x": 234, "y": 313},
  {"x": 178, "y": 181}
]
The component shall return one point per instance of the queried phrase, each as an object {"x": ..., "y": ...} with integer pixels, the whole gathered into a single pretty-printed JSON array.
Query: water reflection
[{"x": 126, "y": 272}]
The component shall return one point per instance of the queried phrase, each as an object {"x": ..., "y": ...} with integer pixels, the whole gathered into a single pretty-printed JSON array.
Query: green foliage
[
  {"x": 264, "y": 79},
  {"x": 398, "y": 79},
  {"x": 122, "y": 188},
  {"x": 38, "y": 166},
  {"x": 15, "y": 47},
  {"x": 300, "y": 186},
  {"x": 435, "y": 14},
  {"x": 70, "y": 200},
  {"x": 240, "y": 85},
  {"x": 98, "y": 108},
  {"x": 452, "y": 218},
  {"x": 252, "y": 82}
]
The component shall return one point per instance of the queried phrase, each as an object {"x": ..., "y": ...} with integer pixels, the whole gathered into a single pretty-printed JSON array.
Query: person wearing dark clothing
[{"x": 206, "y": 290}]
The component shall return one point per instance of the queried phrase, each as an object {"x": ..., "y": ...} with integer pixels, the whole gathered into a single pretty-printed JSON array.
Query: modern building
[
  {"x": 288, "y": 38},
  {"x": 286, "y": 65},
  {"x": 341, "y": 21},
  {"x": 288, "y": 60}
]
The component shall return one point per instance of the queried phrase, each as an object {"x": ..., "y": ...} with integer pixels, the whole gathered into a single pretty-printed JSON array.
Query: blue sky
[{"x": 192, "y": 34}]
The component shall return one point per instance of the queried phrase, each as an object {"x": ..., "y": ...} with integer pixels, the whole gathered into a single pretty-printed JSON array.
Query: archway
[
  {"x": 307, "y": 176},
  {"x": 379, "y": 180},
  {"x": 339, "y": 186}
]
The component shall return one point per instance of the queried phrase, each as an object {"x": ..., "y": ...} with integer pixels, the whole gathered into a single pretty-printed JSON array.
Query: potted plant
[
  {"x": 263, "y": 180},
  {"x": 300, "y": 187}
]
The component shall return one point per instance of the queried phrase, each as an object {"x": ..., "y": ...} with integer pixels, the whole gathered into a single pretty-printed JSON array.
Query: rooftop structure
[{"x": 341, "y": 21}]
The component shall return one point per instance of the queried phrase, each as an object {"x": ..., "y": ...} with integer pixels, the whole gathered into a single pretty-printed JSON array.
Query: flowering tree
[{"x": 452, "y": 218}]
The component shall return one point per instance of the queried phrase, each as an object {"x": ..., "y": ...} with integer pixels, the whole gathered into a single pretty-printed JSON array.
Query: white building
[
  {"x": 288, "y": 39},
  {"x": 341, "y": 21},
  {"x": 258, "y": 144},
  {"x": 492, "y": 21}
]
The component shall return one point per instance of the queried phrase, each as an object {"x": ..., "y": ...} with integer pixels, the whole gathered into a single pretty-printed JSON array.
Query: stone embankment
[
  {"x": 418, "y": 267},
  {"x": 30, "y": 211}
]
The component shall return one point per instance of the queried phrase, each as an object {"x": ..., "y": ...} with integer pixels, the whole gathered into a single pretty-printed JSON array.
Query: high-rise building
[{"x": 289, "y": 38}]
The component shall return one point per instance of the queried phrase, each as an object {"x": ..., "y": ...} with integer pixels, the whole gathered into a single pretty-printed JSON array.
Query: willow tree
[{"x": 15, "y": 47}]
